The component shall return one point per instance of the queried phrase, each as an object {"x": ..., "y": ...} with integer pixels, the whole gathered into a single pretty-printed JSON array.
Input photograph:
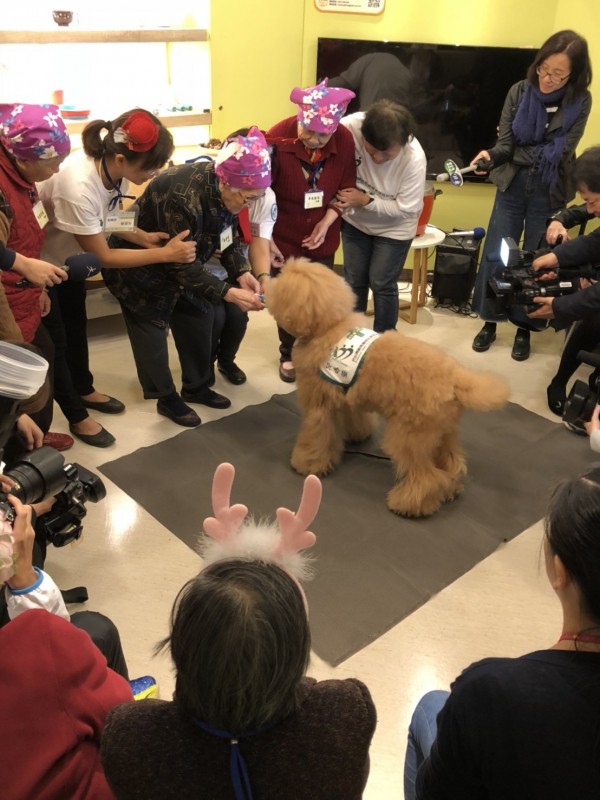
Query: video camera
[
  {"x": 519, "y": 283},
  {"x": 41, "y": 473},
  {"x": 583, "y": 397}
]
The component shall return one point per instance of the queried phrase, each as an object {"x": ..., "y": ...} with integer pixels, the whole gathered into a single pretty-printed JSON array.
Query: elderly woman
[
  {"x": 244, "y": 718},
  {"x": 33, "y": 144},
  {"x": 204, "y": 199},
  {"x": 314, "y": 160}
]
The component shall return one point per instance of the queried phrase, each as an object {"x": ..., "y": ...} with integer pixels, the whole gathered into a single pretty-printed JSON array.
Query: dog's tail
[{"x": 482, "y": 391}]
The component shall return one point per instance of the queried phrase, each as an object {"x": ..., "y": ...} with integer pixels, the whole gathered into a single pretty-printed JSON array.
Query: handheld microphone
[
  {"x": 476, "y": 233},
  {"x": 455, "y": 175},
  {"x": 82, "y": 266}
]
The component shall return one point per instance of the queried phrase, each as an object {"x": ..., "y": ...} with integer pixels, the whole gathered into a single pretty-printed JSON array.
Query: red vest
[{"x": 25, "y": 237}]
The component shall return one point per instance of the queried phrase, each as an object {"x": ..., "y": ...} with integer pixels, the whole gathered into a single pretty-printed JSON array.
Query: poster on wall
[{"x": 351, "y": 6}]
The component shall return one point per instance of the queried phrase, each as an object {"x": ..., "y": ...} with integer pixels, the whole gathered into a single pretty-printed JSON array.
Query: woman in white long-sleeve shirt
[{"x": 383, "y": 209}]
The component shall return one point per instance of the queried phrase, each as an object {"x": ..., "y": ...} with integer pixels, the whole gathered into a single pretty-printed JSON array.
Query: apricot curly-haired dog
[{"x": 419, "y": 390}]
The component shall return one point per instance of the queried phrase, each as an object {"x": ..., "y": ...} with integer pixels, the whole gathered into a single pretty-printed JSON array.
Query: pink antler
[
  {"x": 225, "y": 524},
  {"x": 293, "y": 527}
]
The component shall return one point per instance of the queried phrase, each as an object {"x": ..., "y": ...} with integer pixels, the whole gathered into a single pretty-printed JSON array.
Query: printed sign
[{"x": 351, "y": 6}]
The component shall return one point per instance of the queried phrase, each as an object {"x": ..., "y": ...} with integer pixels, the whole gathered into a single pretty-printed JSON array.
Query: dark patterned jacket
[
  {"x": 151, "y": 750},
  {"x": 182, "y": 198}
]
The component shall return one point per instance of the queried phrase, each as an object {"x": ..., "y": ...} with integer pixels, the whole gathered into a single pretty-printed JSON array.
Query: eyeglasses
[
  {"x": 251, "y": 198},
  {"x": 553, "y": 77}
]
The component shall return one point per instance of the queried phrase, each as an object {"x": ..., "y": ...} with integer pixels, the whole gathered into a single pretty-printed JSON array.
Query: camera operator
[
  {"x": 578, "y": 251},
  {"x": 583, "y": 306}
]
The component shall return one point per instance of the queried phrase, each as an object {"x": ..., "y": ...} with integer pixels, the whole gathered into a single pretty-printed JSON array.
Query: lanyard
[
  {"x": 118, "y": 198},
  {"x": 313, "y": 171}
]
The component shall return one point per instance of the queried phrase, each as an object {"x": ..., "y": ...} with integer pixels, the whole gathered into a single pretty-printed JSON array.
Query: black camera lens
[{"x": 38, "y": 475}]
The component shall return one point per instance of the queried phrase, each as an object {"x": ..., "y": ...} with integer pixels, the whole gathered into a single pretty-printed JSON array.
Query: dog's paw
[{"x": 312, "y": 467}]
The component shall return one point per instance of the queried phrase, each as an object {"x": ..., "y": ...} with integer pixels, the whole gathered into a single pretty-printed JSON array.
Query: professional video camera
[
  {"x": 519, "y": 283},
  {"x": 583, "y": 397},
  {"x": 41, "y": 473}
]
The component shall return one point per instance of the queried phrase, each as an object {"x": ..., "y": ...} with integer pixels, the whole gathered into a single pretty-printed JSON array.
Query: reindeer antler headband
[{"x": 229, "y": 534}]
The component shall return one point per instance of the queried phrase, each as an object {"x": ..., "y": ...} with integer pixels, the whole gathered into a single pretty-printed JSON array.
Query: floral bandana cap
[
  {"x": 245, "y": 162},
  {"x": 33, "y": 133},
  {"x": 321, "y": 107}
]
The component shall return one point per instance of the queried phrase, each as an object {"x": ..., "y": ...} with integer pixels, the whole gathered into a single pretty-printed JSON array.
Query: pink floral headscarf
[
  {"x": 32, "y": 133},
  {"x": 321, "y": 107},
  {"x": 245, "y": 162}
]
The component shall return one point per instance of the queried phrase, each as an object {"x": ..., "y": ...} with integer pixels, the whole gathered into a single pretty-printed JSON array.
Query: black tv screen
[{"x": 455, "y": 92}]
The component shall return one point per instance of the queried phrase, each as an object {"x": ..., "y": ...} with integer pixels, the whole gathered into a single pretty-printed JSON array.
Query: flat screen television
[{"x": 455, "y": 92}]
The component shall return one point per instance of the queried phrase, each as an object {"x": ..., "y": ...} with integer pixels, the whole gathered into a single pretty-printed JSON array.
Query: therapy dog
[{"x": 347, "y": 375}]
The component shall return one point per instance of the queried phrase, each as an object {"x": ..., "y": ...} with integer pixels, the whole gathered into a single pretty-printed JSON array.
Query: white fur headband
[{"x": 230, "y": 534}]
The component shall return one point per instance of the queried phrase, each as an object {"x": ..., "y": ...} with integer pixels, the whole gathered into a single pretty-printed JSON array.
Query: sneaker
[
  {"x": 143, "y": 688},
  {"x": 58, "y": 441},
  {"x": 485, "y": 337}
]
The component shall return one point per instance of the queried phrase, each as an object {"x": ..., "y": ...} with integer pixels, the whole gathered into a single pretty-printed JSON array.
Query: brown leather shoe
[{"x": 287, "y": 374}]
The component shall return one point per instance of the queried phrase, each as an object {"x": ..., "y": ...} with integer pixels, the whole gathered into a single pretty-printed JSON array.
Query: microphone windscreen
[
  {"x": 478, "y": 233},
  {"x": 82, "y": 266}
]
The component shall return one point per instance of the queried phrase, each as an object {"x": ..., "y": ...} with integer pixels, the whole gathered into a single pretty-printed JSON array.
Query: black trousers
[
  {"x": 201, "y": 332},
  {"x": 67, "y": 326},
  {"x": 286, "y": 340},
  {"x": 104, "y": 634}
]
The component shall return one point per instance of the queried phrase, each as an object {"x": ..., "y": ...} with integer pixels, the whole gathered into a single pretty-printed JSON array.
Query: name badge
[
  {"x": 121, "y": 221},
  {"x": 314, "y": 198},
  {"x": 255, "y": 230},
  {"x": 226, "y": 238},
  {"x": 40, "y": 214}
]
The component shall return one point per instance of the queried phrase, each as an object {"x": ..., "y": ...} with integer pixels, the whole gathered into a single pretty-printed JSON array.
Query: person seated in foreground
[
  {"x": 244, "y": 719},
  {"x": 55, "y": 685},
  {"x": 526, "y": 728}
]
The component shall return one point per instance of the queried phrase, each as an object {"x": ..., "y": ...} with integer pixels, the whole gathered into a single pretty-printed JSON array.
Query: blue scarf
[{"x": 529, "y": 129}]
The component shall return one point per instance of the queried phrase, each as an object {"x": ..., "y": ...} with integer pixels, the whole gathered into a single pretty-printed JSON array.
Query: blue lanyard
[
  {"x": 238, "y": 769},
  {"x": 116, "y": 186},
  {"x": 313, "y": 170}
]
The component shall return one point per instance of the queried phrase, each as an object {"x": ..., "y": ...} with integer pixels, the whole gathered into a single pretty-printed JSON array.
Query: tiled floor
[{"x": 133, "y": 566}]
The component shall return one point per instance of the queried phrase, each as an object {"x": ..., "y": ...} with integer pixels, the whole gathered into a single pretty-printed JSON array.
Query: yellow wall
[{"x": 261, "y": 50}]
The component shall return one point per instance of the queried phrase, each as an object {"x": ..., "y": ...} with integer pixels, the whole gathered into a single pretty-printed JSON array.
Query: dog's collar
[{"x": 346, "y": 358}]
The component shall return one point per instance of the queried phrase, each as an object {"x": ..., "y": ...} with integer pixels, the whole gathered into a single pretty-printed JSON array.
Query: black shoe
[
  {"x": 177, "y": 411},
  {"x": 110, "y": 406},
  {"x": 557, "y": 397},
  {"x": 485, "y": 337},
  {"x": 233, "y": 373},
  {"x": 207, "y": 397},
  {"x": 521, "y": 346},
  {"x": 101, "y": 439}
]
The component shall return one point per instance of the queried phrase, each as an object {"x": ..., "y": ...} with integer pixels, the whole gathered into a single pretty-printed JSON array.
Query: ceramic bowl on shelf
[
  {"x": 62, "y": 18},
  {"x": 74, "y": 113}
]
